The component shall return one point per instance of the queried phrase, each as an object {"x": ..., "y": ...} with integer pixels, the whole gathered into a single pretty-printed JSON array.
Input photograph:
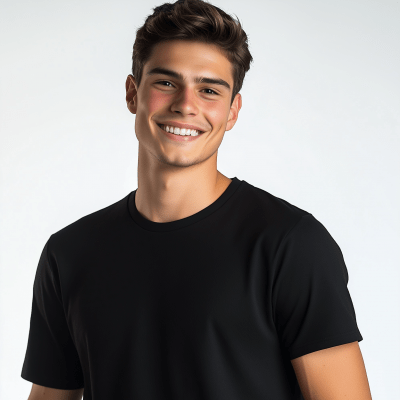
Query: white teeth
[{"x": 181, "y": 132}]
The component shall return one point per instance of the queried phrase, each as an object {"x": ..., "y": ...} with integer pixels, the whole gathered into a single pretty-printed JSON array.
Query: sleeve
[
  {"x": 312, "y": 306},
  {"x": 51, "y": 358}
]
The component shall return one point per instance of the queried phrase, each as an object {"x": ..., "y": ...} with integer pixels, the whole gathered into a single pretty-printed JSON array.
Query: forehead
[{"x": 191, "y": 58}]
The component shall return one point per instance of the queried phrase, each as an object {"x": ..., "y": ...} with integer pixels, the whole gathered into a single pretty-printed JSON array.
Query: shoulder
[
  {"x": 90, "y": 227},
  {"x": 271, "y": 212},
  {"x": 285, "y": 227}
]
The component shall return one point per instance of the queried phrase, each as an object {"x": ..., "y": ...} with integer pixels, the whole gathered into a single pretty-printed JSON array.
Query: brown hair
[{"x": 193, "y": 20}]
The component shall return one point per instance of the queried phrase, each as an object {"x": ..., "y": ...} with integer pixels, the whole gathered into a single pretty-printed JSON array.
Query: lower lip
[{"x": 179, "y": 138}]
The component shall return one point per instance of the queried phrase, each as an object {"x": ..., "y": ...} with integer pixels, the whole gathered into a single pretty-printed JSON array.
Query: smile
[
  {"x": 180, "y": 138},
  {"x": 180, "y": 131}
]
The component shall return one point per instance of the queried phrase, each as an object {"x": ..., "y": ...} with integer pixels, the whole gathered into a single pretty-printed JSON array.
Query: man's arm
[
  {"x": 45, "y": 393},
  {"x": 336, "y": 373}
]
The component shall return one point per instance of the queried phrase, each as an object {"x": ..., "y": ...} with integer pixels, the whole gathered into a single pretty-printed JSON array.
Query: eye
[
  {"x": 161, "y": 83},
  {"x": 212, "y": 91},
  {"x": 164, "y": 82}
]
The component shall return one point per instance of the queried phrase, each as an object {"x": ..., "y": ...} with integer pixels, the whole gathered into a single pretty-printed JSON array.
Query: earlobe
[{"x": 131, "y": 106}]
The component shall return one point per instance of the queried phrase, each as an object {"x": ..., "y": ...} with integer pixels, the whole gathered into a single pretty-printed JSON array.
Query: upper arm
[
  {"x": 333, "y": 373},
  {"x": 45, "y": 393}
]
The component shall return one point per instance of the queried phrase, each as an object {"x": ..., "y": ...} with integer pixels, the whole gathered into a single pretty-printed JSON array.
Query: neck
[{"x": 168, "y": 193}]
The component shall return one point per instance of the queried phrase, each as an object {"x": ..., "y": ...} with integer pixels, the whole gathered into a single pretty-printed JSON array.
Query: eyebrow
[{"x": 197, "y": 79}]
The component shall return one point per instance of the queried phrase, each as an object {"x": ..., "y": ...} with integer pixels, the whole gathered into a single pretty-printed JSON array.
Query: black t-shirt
[{"x": 212, "y": 306}]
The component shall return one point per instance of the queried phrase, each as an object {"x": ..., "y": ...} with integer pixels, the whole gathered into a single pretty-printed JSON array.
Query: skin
[
  {"x": 335, "y": 373},
  {"x": 45, "y": 393},
  {"x": 179, "y": 179}
]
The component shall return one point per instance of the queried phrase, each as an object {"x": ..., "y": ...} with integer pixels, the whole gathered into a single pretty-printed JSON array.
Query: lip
[
  {"x": 178, "y": 138},
  {"x": 181, "y": 125}
]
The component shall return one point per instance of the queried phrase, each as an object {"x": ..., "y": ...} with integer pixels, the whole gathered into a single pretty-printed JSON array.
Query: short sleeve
[
  {"x": 51, "y": 358},
  {"x": 312, "y": 306}
]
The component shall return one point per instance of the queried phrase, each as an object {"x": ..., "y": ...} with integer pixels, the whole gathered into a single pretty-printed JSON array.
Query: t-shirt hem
[
  {"x": 332, "y": 341},
  {"x": 51, "y": 384}
]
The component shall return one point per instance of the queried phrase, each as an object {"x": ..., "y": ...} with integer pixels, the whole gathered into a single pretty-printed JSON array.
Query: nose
[{"x": 185, "y": 102}]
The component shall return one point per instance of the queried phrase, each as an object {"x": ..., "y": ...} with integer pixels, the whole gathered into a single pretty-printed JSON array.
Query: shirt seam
[
  {"x": 186, "y": 225},
  {"x": 338, "y": 335}
]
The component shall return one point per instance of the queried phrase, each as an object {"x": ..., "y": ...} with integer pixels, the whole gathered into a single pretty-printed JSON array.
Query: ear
[
  {"x": 131, "y": 94},
  {"x": 234, "y": 111}
]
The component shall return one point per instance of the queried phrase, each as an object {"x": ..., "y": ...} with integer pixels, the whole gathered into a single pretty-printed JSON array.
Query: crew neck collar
[{"x": 180, "y": 223}]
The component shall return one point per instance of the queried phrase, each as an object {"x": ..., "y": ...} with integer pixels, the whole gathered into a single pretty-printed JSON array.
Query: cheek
[
  {"x": 216, "y": 113},
  {"x": 155, "y": 101}
]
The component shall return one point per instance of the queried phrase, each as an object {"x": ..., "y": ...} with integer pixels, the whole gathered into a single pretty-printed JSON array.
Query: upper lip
[{"x": 181, "y": 125}]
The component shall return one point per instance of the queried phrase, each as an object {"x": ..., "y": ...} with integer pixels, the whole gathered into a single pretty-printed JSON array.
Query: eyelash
[{"x": 203, "y": 89}]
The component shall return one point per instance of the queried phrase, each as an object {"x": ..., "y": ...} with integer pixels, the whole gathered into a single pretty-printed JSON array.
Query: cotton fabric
[{"x": 212, "y": 306}]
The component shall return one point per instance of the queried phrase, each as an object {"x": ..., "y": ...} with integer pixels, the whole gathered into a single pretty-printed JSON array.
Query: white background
[{"x": 319, "y": 127}]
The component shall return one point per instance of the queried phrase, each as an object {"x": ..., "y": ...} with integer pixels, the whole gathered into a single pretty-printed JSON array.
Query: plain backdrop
[{"x": 319, "y": 127}]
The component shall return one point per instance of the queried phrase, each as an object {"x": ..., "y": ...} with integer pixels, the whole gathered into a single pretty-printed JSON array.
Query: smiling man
[
  {"x": 183, "y": 108},
  {"x": 195, "y": 285}
]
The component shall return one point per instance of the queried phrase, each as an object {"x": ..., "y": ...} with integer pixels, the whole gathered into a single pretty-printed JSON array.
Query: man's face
[{"x": 163, "y": 98}]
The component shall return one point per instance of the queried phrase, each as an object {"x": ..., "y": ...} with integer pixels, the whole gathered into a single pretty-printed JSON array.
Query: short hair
[{"x": 193, "y": 20}]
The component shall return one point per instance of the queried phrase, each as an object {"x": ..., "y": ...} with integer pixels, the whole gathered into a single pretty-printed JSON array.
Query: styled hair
[{"x": 193, "y": 20}]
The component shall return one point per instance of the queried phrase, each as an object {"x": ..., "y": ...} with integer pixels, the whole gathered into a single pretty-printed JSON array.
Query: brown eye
[
  {"x": 162, "y": 83},
  {"x": 212, "y": 91}
]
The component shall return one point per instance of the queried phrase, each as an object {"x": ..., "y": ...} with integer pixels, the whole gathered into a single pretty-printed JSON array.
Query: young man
[
  {"x": 177, "y": 170},
  {"x": 195, "y": 285}
]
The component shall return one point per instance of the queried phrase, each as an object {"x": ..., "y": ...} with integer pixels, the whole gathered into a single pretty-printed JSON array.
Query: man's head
[
  {"x": 194, "y": 20},
  {"x": 191, "y": 39}
]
